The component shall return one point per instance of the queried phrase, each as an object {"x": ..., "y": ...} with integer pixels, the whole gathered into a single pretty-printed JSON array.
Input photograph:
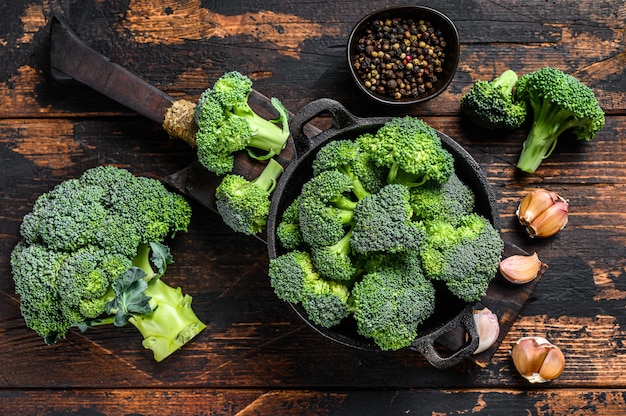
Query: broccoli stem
[
  {"x": 549, "y": 121},
  {"x": 266, "y": 135},
  {"x": 172, "y": 322},
  {"x": 269, "y": 177},
  {"x": 506, "y": 81}
]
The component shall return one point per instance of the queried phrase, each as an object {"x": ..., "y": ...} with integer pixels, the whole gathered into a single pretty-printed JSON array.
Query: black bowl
[
  {"x": 450, "y": 313},
  {"x": 448, "y": 63}
]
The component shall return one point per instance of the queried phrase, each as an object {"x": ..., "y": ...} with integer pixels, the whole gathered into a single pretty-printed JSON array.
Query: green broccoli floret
[
  {"x": 411, "y": 150},
  {"x": 372, "y": 176},
  {"x": 335, "y": 261},
  {"x": 559, "y": 102},
  {"x": 227, "y": 124},
  {"x": 382, "y": 222},
  {"x": 326, "y": 208},
  {"x": 341, "y": 155},
  {"x": 451, "y": 200},
  {"x": 288, "y": 229},
  {"x": 389, "y": 306},
  {"x": 244, "y": 205},
  {"x": 79, "y": 243},
  {"x": 465, "y": 256},
  {"x": 294, "y": 279},
  {"x": 492, "y": 104}
]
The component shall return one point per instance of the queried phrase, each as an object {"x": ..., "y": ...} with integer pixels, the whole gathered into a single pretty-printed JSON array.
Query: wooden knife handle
[{"x": 71, "y": 58}]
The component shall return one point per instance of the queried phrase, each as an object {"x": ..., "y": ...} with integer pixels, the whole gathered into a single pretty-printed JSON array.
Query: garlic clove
[
  {"x": 550, "y": 221},
  {"x": 520, "y": 269},
  {"x": 488, "y": 329},
  {"x": 537, "y": 359},
  {"x": 543, "y": 213},
  {"x": 533, "y": 204}
]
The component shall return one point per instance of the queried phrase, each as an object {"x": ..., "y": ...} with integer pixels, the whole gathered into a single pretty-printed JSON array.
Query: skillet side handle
[
  {"x": 342, "y": 118},
  {"x": 426, "y": 344}
]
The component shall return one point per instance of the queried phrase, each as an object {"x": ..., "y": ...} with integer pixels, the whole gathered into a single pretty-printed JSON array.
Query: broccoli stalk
[
  {"x": 161, "y": 313},
  {"x": 244, "y": 205},
  {"x": 560, "y": 102}
]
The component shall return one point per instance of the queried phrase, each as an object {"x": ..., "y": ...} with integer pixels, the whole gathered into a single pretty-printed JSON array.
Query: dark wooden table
[{"x": 256, "y": 356}]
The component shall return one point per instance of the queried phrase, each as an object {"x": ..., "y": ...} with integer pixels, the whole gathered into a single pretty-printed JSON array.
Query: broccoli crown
[
  {"x": 335, "y": 261},
  {"x": 465, "y": 256},
  {"x": 382, "y": 222},
  {"x": 326, "y": 302},
  {"x": 80, "y": 237},
  {"x": 289, "y": 273},
  {"x": 559, "y": 102},
  {"x": 492, "y": 104},
  {"x": 325, "y": 208},
  {"x": 288, "y": 229},
  {"x": 244, "y": 205},
  {"x": 389, "y": 306},
  {"x": 341, "y": 155},
  {"x": 227, "y": 124},
  {"x": 411, "y": 150},
  {"x": 451, "y": 200}
]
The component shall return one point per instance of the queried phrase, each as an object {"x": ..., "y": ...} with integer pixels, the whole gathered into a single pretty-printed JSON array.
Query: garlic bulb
[
  {"x": 488, "y": 329},
  {"x": 543, "y": 213},
  {"x": 520, "y": 269},
  {"x": 537, "y": 360}
]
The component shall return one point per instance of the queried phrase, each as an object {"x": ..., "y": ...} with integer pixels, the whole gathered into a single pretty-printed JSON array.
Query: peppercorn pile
[{"x": 399, "y": 58}]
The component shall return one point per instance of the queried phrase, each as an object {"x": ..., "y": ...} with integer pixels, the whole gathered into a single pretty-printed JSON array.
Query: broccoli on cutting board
[
  {"x": 227, "y": 124},
  {"x": 93, "y": 253}
]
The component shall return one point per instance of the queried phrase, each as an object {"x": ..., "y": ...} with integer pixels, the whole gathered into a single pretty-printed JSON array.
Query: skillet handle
[
  {"x": 426, "y": 344},
  {"x": 342, "y": 118}
]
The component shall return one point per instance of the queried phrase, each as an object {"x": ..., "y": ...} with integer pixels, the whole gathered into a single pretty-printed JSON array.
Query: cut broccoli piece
[
  {"x": 559, "y": 102},
  {"x": 227, "y": 124},
  {"x": 492, "y": 104},
  {"x": 244, "y": 205}
]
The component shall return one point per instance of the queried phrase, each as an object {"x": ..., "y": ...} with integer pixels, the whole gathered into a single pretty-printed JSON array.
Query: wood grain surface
[{"x": 256, "y": 357}]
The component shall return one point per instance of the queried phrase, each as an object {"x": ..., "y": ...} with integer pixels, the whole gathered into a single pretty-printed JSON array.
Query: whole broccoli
[
  {"x": 244, "y": 205},
  {"x": 465, "y": 256},
  {"x": 559, "y": 102},
  {"x": 227, "y": 124},
  {"x": 492, "y": 104},
  {"x": 411, "y": 150},
  {"x": 87, "y": 257}
]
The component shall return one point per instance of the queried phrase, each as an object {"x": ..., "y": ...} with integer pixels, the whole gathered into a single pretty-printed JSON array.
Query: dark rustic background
[{"x": 256, "y": 356}]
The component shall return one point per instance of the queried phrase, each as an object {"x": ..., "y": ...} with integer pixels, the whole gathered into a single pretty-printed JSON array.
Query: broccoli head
[
  {"x": 451, "y": 200},
  {"x": 389, "y": 306},
  {"x": 294, "y": 279},
  {"x": 227, "y": 124},
  {"x": 79, "y": 242},
  {"x": 492, "y": 104},
  {"x": 288, "y": 229},
  {"x": 411, "y": 150},
  {"x": 465, "y": 256},
  {"x": 382, "y": 222},
  {"x": 559, "y": 102},
  {"x": 244, "y": 205}
]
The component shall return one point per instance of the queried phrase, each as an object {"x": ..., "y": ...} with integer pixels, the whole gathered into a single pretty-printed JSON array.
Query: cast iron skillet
[{"x": 450, "y": 313}]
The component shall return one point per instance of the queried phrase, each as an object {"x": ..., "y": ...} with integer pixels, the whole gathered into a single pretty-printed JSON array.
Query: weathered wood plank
[{"x": 608, "y": 402}]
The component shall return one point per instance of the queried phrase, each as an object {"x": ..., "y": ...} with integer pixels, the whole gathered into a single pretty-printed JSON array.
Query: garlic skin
[
  {"x": 537, "y": 359},
  {"x": 520, "y": 269},
  {"x": 488, "y": 329},
  {"x": 543, "y": 213}
]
